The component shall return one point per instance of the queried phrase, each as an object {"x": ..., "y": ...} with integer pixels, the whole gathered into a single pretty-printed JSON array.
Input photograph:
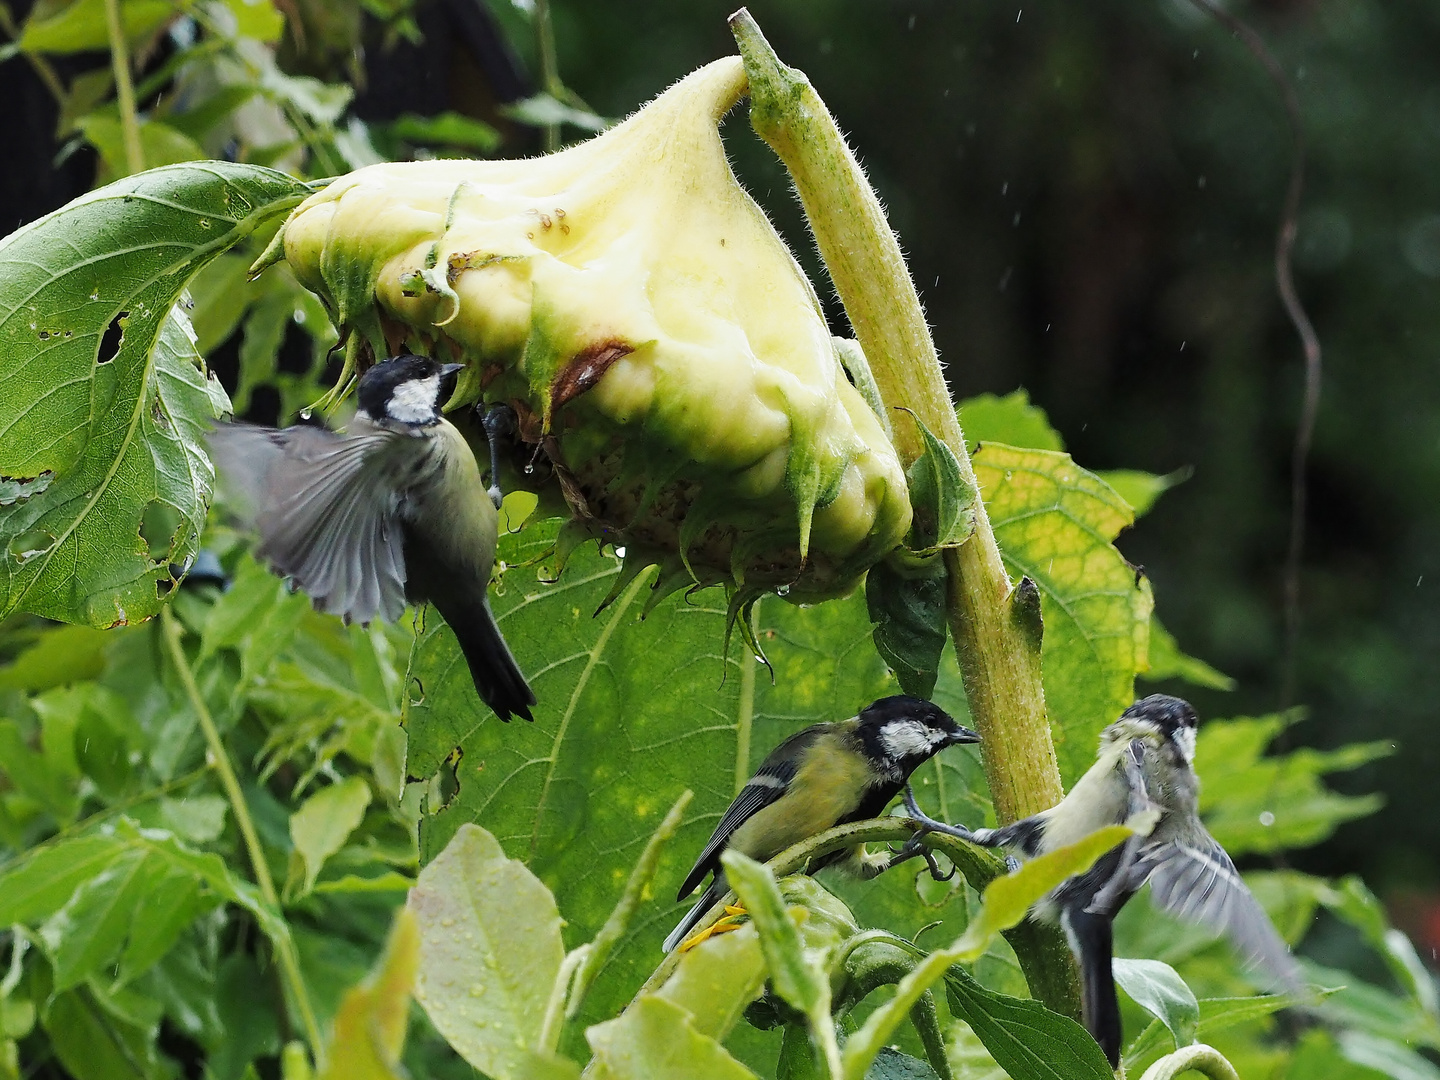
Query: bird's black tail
[
  {"x": 1092, "y": 940},
  {"x": 693, "y": 916},
  {"x": 497, "y": 676}
]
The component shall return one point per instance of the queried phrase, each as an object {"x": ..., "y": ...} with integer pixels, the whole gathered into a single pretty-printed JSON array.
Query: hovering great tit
[
  {"x": 1145, "y": 762},
  {"x": 826, "y": 775},
  {"x": 393, "y": 510}
]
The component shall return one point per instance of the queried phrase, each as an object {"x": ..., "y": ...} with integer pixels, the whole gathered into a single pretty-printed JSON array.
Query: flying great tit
[
  {"x": 826, "y": 775},
  {"x": 1145, "y": 762},
  {"x": 392, "y": 510}
]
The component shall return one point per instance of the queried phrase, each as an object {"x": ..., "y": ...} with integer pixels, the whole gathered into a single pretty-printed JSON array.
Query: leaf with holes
[
  {"x": 1054, "y": 522},
  {"x": 102, "y": 397}
]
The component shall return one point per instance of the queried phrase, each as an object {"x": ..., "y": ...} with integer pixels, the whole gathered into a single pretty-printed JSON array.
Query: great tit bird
[
  {"x": 392, "y": 510},
  {"x": 826, "y": 775},
  {"x": 1145, "y": 762}
]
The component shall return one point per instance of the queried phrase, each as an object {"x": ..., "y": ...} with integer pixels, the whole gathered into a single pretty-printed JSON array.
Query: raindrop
[
  {"x": 1267, "y": 818},
  {"x": 783, "y": 590},
  {"x": 529, "y": 469},
  {"x": 306, "y": 413}
]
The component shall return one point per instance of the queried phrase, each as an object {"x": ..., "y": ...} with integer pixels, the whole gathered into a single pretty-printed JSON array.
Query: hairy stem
[
  {"x": 999, "y": 661},
  {"x": 998, "y": 652},
  {"x": 124, "y": 88},
  {"x": 288, "y": 962}
]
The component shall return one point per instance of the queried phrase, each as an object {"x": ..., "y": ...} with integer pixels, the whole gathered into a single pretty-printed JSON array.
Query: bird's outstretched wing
[
  {"x": 326, "y": 517},
  {"x": 1193, "y": 878}
]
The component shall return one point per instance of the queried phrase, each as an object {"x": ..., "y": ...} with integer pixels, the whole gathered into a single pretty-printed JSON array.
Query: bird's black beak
[
  {"x": 448, "y": 376},
  {"x": 963, "y": 735}
]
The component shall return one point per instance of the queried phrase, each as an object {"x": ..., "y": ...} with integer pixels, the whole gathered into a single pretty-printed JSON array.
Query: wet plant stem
[
  {"x": 998, "y": 651},
  {"x": 285, "y": 955}
]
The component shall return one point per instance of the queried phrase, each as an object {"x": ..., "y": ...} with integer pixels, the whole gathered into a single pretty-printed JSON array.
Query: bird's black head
[
  {"x": 1174, "y": 717},
  {"x": 900, "y": 733},
  {"x": 407, "y": 390}
]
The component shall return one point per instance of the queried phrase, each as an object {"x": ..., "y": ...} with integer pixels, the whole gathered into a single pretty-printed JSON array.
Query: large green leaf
[
  {"x": 102, "y": 396},
  {"x": 1054, "y": 523}
]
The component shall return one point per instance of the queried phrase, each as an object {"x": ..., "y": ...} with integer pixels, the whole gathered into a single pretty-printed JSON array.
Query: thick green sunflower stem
[{"x": 998, "y": 651}]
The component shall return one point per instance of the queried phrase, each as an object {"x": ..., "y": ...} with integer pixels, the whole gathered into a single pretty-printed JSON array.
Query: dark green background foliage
[{"x": 1088, "y": 195}]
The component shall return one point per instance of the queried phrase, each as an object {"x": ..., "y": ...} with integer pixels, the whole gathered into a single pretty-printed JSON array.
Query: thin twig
[
  {"x": 288, "y": 962},
  {"x": 1285, "y": 284},
  {"x": 124, "y": 89}
]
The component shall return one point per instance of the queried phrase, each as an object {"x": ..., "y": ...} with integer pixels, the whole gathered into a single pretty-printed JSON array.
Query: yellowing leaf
[
  {"x": 716, "y": 980},
  {"x": 490, "y": 951},
  {"x": 1054, "y": 523},
  {"x": 1008, "y": 899},
  {"x": 655, "y": 1040},
  {"x": 80, "y": 26},
  {"x": 791, "y": 972},
  {"x": 370, "y": 1025}
]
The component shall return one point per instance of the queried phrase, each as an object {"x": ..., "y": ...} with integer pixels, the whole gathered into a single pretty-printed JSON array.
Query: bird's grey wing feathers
[
  {"x": 1193, "y": 878},
  {"x": 327, "y": 517},
  {"x": 764, "y": 788}
]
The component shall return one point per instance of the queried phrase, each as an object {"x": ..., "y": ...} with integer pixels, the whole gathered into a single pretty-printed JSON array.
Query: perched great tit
[
  {"x": 1145, "y": 762},
  {"x": 826, "y": 775},
  {"x": 393, "y": 510}
]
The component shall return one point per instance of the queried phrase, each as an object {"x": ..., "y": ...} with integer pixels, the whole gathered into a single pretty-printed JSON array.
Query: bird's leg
[
  {"x": 498, "y": 422},
  {"x": 982, "y": 837},
  {"x": 928, "y": 824},
  {"x": 913, "y": 847}
]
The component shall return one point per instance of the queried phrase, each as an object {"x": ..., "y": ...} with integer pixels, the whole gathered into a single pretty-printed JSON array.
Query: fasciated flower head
[{"x": 656, "y": 337}]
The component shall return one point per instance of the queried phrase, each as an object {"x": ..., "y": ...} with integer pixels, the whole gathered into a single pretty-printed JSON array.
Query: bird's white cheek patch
[
  {"x": 414, "y": 402},
  {"x": 906, "y": 738}
]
